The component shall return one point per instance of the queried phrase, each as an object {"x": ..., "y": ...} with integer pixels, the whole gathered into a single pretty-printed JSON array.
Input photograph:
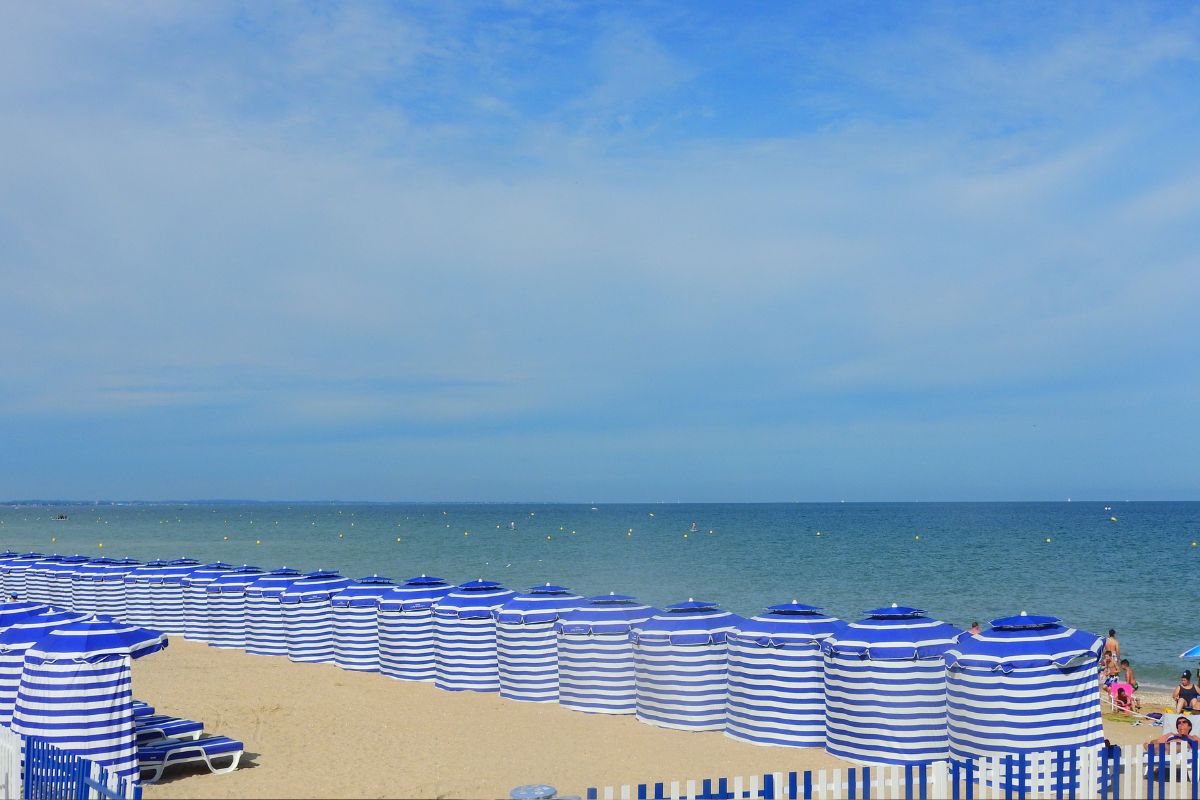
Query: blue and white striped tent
[
  {"x": 14, "y": 641},
  {"x": 6, "y": 558},
  {"x": 37, "y": 579},
  {"x": 226, "y": 597},
  {"x": 776, "y": 677},
  {"x": 356, "y": 623},
  {"x": 110, "y": 587},
  {"x": 464, "y": 635},
  {"x": 596, "y": 671},
  {"x": 1026, "y": 685},
  {"x": 76, "y": 692},
  {"x": 139, "y": 609},
  {"x": 265, "y": 631},
  {"x": 885, "y": 688},
  {"x": 166, "y": 594},
  {"x": 19, "y": 611},
  {"x": 83, "y": 584},
  {"x": 308, "y": 616},
  {"x": 195, "y": 600},
  {"x": 527, "y": 643},
  {"x": 14, "y": 571},
  {"x": 406, "y": 644},
  {"x": 58, "y": 576},
  {"x": 681, "y": 658}
]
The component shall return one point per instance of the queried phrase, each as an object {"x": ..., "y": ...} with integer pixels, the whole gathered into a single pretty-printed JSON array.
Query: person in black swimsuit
[{"x": 1186, "y": 695}]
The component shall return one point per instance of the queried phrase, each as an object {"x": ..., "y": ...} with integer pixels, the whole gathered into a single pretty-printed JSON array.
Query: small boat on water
[{"x": 60, "y": 517}]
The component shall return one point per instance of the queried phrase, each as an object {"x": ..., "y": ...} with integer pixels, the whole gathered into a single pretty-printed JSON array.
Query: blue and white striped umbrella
[
  {"x": 37, "y": 579},
  {"x": 1026, "y": 685},
  {"x": 14, "y": 641},
  {"x": 58, "y": 577},
  {"x": 464, "y": 635},
  {"x": 266, "y": 634},
  {"x": 83, "y": 583},
  {"x": 527, "y": 643},
  {"x": 226, "y": 600},
  {"x": 681, "y": 658},
  {"x": 195, "y": 600},
  {"x": 356, "y": 624},
  {"x": 139, "y": 607},
  {"x": 885, "y": 688},
  {"x": 19, "y": 611},
  {"x": 76, "y": 692},
  {"x": 110, "y": 587},
  {"x": 14, "y": 571},
  {"x": 166, "y": 594},
  {"x": 406, "y": 643},
  {"x": 776, "y": 677},
  {"x": 6, "y": 558},
  {"x": 596, "y": 671},
  {"x": 308, "y": 617}
]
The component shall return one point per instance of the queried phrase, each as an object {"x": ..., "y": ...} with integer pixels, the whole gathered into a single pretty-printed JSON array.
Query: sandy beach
[{"x": 313, "y": 730}]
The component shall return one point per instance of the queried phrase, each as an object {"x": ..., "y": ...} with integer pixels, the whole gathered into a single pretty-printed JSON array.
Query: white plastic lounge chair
[
  {"x": 154, "y": 729},
  {"x": 156, "y": 757}
]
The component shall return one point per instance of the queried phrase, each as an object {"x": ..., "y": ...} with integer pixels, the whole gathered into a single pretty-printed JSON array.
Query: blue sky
[{"x": 549, "y": 251}]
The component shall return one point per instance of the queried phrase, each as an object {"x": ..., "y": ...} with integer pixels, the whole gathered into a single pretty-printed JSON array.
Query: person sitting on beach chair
[{"x": 1186, "y": 695}]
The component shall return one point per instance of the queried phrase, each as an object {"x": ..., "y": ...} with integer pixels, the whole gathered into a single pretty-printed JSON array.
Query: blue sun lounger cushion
[{"x": 160, "y": 726}]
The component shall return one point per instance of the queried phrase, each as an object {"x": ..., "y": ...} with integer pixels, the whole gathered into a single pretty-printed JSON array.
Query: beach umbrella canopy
[
  {"x": 139, "y": 608},
  {"x": 681, "y": 660},
  {"x": 776, "y": 676},
  {"x": 166, "y": 594},
  {"x": 37, "y": 579},
  {"x": 885, "y": 688},
  {"x": 76, "y": 693},
  {"x": 83, "y": 583},
  {"x": 464, "y": 634},
  {"x": 1027, "y": 685},
  {"x": 14, "y": 641},
  {"x": 308, "y": 617},
  {"x": 13, "y": 572},
  {"x": 19, "y": 611},
  {"x": 266, "y": 634},
  {"x": 226, "y": 603},
  {"x": 1193, "y": 653},
  {"x": 527, "y": 642},
  {"x": 356, "y": 623},
  {"x": 596, "y": 670},
  {"x": 195, "y": 599},
  {"x": 405, "y": 615}
]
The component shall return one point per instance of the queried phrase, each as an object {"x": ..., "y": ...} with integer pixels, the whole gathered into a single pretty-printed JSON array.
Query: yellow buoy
[
  {"x": 685, "y": 536},
  {"x": 547, "y": 538},
  {"x": 466, "y": 533},
  {"x": 227, "y": 538},
  {"x": 1112, "y": 519},
  {"x": 397, "y": 538},
  {"x": 1047, "y": 539},
  {"x": 917, "y": 537},
  {"x": 258, "y": 541},
  {"x": 629, "y": 534},
  {"x": 53, "y": 539},
  {"x": 560, "y": 527},
  {"x": 818, "y": 533},
  {"x": 100, "y": 545},
  {"x": 341, "y": 536},
  {"x": 572, "y": 533},
  {"x": 1193, "y": 544}
]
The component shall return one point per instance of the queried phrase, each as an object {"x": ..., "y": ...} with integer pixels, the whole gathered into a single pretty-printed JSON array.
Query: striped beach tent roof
[
  {"x": 894, "y": 633},
  {"x": 691, "y": 623},
  {"x": 276, "y": 581},
  {"x": 1026, "y": 685},
  {"x": 541, "y": 604},
  {"x": 314, "y": 587},
  {"x": 14, "y": 641},
  {"x": 235, "y": 580},
  {"x": 776, "y": 676},
  {"x": 605, "y": 614},
  {"x": 75, "y": 691},
  {"x": 19, "y": 611},
  {"x": 473, "y": 600},
  {"x": 363, "y": 592},
  {"x": 420, "y": 592}
]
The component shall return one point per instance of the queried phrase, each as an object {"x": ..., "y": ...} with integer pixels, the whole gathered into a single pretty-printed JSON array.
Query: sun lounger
[
  {"x": 156, "y": 757},
  {"x": 156, "y": 728},
  {"x": 141, "y": 709}
]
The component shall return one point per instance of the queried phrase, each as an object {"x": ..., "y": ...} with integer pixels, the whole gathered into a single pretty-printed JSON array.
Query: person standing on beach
[{"x": 1111, "y": 645}]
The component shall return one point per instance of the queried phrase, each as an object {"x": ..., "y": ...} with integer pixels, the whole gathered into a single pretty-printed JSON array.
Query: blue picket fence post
[{"x": 51, "y": 773}]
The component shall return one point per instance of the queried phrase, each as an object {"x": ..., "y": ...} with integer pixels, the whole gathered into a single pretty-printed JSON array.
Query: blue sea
[{"x": 1126, "y": 565}]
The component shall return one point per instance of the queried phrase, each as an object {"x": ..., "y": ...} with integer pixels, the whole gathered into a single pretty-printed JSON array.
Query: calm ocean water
[{"x": 971, "y": 560}]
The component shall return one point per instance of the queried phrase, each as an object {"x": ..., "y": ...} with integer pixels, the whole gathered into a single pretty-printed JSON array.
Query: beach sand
[{"x": 313, "y": 730}]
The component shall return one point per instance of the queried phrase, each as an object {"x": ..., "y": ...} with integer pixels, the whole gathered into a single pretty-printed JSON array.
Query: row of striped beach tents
[{"x": 895, "y": 687}]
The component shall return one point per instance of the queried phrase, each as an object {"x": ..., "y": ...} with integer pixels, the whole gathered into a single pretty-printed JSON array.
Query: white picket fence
[
  {"x": 10, "y": 765},
  {"x": 1121, "y": 772}
]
